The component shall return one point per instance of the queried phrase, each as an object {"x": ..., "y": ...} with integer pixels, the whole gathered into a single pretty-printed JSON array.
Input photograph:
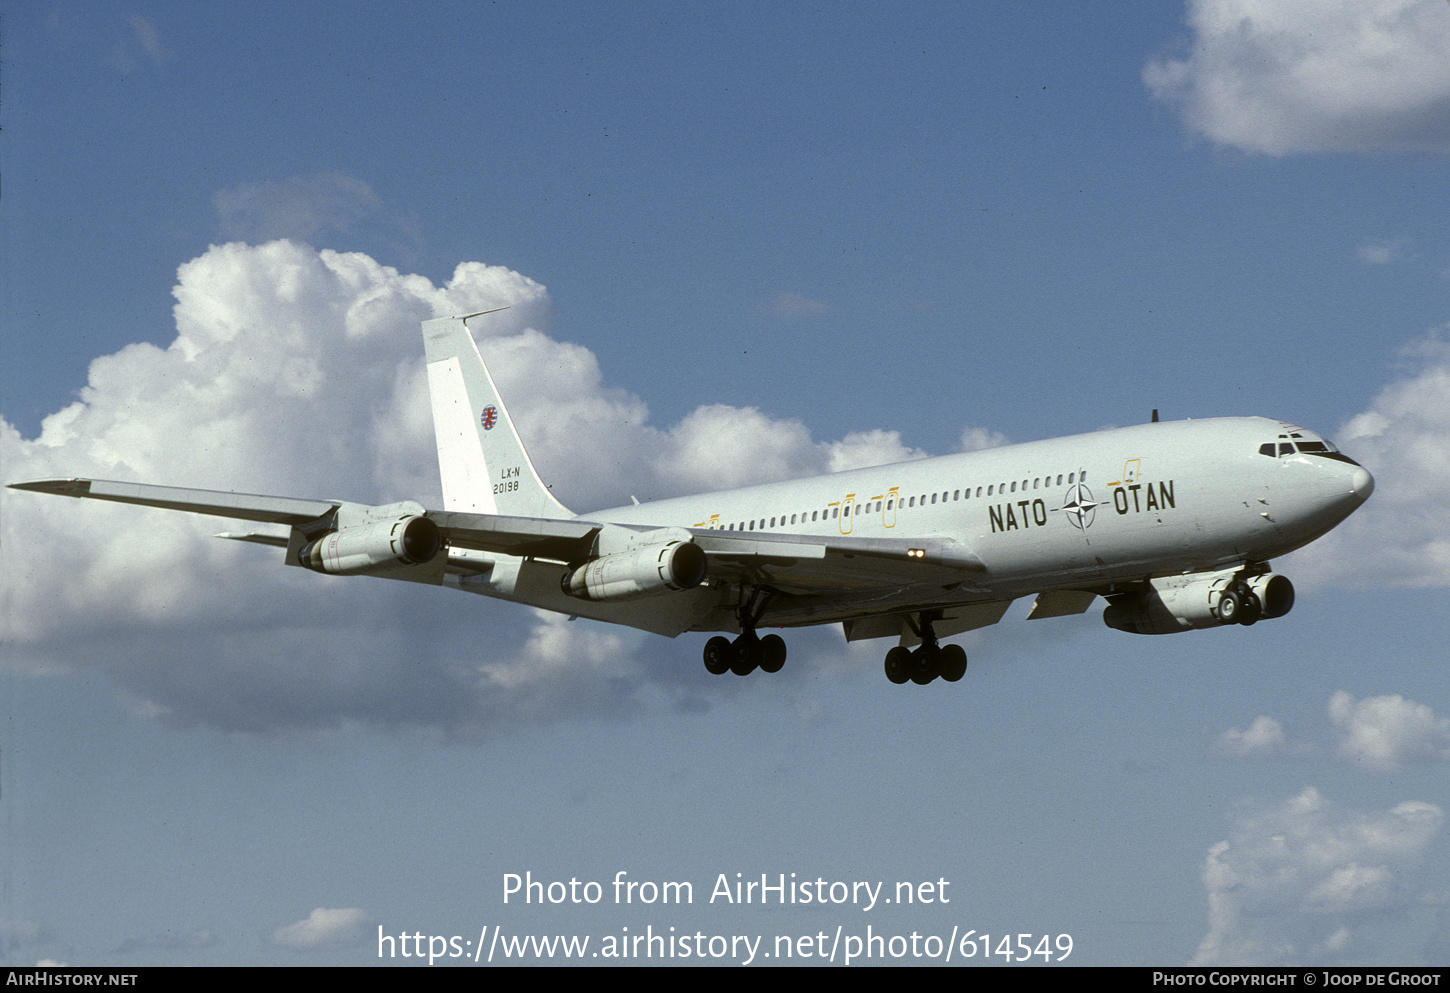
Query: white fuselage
[{"x": 1091, "y": 509}]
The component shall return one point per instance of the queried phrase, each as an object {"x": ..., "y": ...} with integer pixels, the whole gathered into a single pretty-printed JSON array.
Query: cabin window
[
  {"x": 989, "y": 491},
  {"x": 933, "y": 498},
  {"x": 837, "y": 512},
  {"x": 1014, "y": 486},
  {"x": 956, "y": 495}
]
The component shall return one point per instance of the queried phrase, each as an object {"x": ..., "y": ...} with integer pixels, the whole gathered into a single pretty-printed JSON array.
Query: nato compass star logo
[
  {"x": 1079, "y": 506},
  {"x": 490, "y": 417}
]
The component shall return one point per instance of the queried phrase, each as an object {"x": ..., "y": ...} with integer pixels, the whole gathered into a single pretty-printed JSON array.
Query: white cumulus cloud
[
  {"x": 1263, "y": 738},
  {"x": 1382, "y": 733},
  {"x": 1285, "y": 76},
  {"x": 1303, "y": 881},
  {"x": 344, "y": 927},
  {"x": 300, "y": 372},
  {"x": 1403, "y": 438},
  {"x": 1378, "y": 734}
]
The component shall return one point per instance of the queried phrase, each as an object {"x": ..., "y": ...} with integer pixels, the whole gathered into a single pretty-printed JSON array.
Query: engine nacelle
[
  {"x": 405, "y": 540},
  {"x": 1275, "y": 593},
  {"x": 1182, "y": 603},
  {"x": 676, "y": 565}
]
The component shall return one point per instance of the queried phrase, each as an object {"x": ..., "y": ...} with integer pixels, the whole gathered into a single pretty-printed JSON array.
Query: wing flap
[
  {"x": 950, "y": 621},
  {"x": 526, "y": 537},
  {"x": 821, "y": 565},
  {"x": 1061, "y": 603},
  {"x": 275, "y": 540}
]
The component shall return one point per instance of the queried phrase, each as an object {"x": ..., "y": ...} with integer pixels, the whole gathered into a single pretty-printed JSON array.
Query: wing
[
  {"x": 809, "y": 579},
  {"x": 239, "y": 506}
]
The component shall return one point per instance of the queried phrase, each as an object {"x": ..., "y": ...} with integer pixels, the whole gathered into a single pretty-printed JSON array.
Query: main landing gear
[
  {"x": 927, "y": 662},
  {"x": 1239, "y": 604},
  {"x": 749, "y": 651},
  {"x": 745, "y": 654}
]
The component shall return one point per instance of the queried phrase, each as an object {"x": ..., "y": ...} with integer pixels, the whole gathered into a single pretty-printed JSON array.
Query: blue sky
[{"x": 740, "y": 243}]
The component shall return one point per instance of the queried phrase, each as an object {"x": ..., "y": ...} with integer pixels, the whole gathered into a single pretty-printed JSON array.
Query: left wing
[
  {"x": 240, "y": 506},
  {"x": 811, "y": 578},
  {"x": 747, "y": 555}
]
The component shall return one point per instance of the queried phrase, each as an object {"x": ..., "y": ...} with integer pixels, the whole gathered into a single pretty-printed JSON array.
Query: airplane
[{"x": 1173, "y": 523}]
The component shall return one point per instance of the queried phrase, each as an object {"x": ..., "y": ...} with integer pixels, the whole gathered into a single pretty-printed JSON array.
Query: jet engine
[
  {"x": 1172, "y": 604},
  {"x": 405, "y": 540},
  {"x": 675, "y": 565}
]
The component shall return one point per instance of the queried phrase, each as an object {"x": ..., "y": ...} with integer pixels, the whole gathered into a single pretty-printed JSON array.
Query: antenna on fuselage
[{"x": 1155, "y": 415}]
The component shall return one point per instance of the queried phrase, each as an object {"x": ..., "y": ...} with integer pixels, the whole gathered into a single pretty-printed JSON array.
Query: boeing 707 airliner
[{"x": 1174, "y": 524}]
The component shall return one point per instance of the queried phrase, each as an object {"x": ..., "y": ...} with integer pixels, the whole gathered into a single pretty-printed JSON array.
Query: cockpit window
[{"x": 1323, "y": 449}]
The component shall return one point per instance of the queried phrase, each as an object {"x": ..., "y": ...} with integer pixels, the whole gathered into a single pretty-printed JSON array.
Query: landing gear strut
[
  {"x": 928, "y": 661},
  {"x": 749, "y": 651}
]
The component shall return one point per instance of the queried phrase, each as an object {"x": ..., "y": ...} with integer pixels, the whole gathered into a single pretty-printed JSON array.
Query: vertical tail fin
[{"x": 482, "y": 461}]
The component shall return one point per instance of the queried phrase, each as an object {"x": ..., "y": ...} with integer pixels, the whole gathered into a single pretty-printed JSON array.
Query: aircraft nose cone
[{"x": 1361, "y": 483}]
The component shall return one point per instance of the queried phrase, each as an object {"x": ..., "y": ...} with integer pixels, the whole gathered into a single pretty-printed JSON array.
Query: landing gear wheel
[
  {"x": 925, "y": 664},
  {"x": 1230, "y": 607},
  {"x": 1252, "y": 608},
  {"x": 772, "y": 653},
  {"x": 898, "y": 665},
  {"x": 718, "y": 655},
  {"x": 953, "y": 663},
  {"x": 747, "y": 655}
]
